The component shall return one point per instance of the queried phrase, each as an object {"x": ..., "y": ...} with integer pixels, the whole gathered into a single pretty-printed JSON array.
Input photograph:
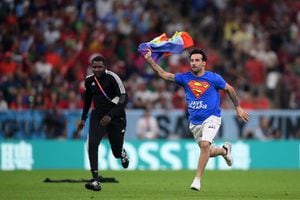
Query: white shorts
[{"x": 207, "y": 130}]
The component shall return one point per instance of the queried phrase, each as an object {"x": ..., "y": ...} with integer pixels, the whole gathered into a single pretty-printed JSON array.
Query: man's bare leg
[
  {"x": 207, "y": 151},
  {"x": 203, "y": 159}
]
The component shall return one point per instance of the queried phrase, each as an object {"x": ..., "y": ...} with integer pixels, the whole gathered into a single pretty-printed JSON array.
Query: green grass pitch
[{"x": 157, "y": 185}]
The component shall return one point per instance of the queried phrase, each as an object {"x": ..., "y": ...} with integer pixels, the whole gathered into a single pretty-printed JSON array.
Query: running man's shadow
[{"x": 102, "y": 180}]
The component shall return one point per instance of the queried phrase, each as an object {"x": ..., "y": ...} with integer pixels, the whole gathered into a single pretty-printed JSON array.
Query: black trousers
[{"x": 115, "y": 131}]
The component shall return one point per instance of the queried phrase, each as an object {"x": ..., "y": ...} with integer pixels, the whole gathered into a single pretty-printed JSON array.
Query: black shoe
[
  {"x": 124, "y": 159},
  {"x": 93, "y": 185}
]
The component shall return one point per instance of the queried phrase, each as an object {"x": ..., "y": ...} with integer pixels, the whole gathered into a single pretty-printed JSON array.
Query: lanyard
[{"x": 101, "y": 88}]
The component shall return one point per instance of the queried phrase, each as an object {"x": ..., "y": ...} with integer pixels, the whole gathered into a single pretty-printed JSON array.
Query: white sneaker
[
  {"x": 228, "y": 157},
  {"x": 196, "y": 185}
]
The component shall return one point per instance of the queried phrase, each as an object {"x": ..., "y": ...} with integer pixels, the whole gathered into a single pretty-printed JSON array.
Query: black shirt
[{"x": 113, "y": 88}]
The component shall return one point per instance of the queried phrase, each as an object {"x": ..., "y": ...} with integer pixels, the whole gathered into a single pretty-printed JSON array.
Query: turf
[{"x": 253, "y": 184}]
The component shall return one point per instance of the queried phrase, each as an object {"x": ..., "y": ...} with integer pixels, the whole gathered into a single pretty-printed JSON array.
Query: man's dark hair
[
  {"x": 98, "y": 59},
  {"x": 199, "y": 51}
]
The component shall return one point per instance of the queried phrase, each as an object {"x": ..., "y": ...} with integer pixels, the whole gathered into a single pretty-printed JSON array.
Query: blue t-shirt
[{"x": 202, "y": 94}]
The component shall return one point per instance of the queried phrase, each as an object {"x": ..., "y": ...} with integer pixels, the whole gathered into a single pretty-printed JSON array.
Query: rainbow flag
[{"x": 162, "y": 45}]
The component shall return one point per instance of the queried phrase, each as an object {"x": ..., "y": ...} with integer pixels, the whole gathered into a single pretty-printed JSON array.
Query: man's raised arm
[{"x": 158, "y": 69}]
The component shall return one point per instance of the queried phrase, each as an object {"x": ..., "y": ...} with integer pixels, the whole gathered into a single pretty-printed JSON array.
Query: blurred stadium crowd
[{"x": 46, "y": 46}]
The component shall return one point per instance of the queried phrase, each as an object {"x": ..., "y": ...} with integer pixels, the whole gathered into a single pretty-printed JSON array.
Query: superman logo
[{"x": 198, "y": 87}]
